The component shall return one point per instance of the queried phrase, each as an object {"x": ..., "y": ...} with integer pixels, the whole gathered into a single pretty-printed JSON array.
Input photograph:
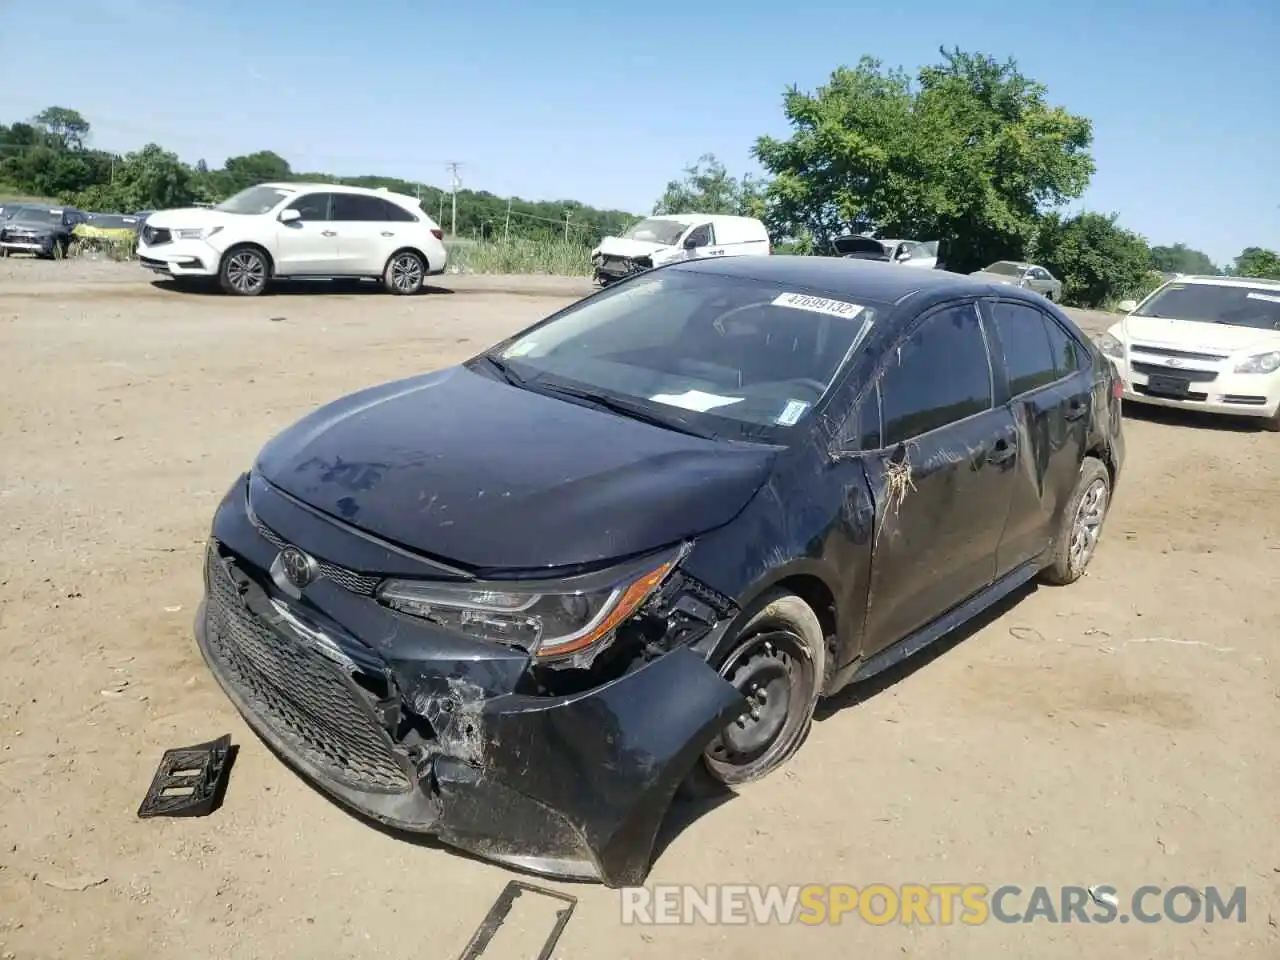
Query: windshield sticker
[
  {"x": 1269, "y": 297},
  {"x": 792, "y": 412},
  {"x": 833, "y": 308},
  {"x": 694, "y": 400}
]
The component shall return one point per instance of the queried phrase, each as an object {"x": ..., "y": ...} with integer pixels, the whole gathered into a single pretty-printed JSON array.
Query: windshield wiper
[
  {"x": 504, "y": 370},
  {"x": 627, "y": 409}
]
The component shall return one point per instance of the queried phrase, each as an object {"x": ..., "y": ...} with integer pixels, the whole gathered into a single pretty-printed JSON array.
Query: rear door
[
  {"x": 942, "y": 478},
  {"x": 365, "y": 233},
  {"x": 307, "y": 246},
  {"x": 1048, "y": 388}
]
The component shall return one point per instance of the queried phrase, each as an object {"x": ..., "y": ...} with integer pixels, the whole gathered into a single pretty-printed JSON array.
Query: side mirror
[
  {"x": 289, "y": 216},
  {"x": 691, "y": 241},
  {"x": 1127, "y": 306}
]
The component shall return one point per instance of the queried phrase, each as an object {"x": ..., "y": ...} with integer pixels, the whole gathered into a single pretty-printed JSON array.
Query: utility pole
[
  {"x": 456, "y": 182},
  {"x": 566, "y": 226},
  {"x": 506, "y": 230}
]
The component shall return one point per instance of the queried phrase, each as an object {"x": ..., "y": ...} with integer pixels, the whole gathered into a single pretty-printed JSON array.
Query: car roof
[
  {"x": 840, "y": 276},
  {"x": 299, "y": 185},
  {"x": 689, "y": 219},
  {"x": 1212, "y": 281}
]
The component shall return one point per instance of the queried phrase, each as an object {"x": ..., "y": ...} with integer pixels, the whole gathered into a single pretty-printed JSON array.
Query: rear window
[
  {"x": 1236, "y": 306},
  {"x": 747, "y": 351}
]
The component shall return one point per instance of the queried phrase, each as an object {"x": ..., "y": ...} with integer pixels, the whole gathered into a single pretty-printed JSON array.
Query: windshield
[
  {"x": 1257, "y": 307},
  {"x": 656, "y": 230},
  {"x": 254, "y": 201},
  {"x": 740, "y": 355},
  {"x": 1005, "y": 268}
]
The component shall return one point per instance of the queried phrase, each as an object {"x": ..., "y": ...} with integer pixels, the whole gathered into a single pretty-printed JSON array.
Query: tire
[
  {"x": 1272, "y": 423},
  {"x": 1084, "y": 516},
  {"x": 780, "y": 653},
  {"x": 1048, "y": 295},
  {"x": 405, "y": 274},
  {"x": 244, "y": 272}
]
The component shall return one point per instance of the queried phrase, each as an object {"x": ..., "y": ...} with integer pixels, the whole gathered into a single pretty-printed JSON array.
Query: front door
[
  {"x": 942, "y": 479},
  {"x": 701, "y": 242},
  {"x": 307, "y": 246}
]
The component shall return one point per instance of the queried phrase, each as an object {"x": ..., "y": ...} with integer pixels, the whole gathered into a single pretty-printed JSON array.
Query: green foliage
[
  {"x": 708, "y": 188},
  {"x": 1096, "y": 260},
  {"x": 1182, "y": 259},
  {"x": 106, "y": 248},
  {"x": 971, "y": 153},
  {"x": 49, "y": 157},
  {"x": 521, "y": 256},
  {"x": 1257, "y": 262}
]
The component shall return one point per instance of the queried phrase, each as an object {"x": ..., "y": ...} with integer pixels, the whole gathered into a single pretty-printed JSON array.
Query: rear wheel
[
  {"x": 1081, "y": 524},
  {"x": 777, "y": 661},
  {"x": 405, "y": 274},
  {"x": 244, "y": 272},
  {"x": 1272, "y": 423}
]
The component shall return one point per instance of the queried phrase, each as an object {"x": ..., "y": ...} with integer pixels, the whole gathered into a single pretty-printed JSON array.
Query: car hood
[
  {"x": 620, "y": 247},
  {"x": 489, "y": 476},
  {"x": 191, "y": 218},
  {"x": 30, "y": 226},
  {"x": 994, "y": 277},
  {"x": 1221, "y": 337}
]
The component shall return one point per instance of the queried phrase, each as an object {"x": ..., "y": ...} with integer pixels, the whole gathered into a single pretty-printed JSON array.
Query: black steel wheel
[{"x": 777, "y": 661}]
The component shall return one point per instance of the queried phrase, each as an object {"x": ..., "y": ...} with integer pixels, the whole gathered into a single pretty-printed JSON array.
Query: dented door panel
[{"x": 941, "y": 501}]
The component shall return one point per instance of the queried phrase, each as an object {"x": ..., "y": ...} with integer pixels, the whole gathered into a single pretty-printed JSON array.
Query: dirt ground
[{"x": 1122, "y": 730}]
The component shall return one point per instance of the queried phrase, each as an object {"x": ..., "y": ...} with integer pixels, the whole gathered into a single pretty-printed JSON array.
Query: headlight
[
  {"x": 1260, "y": 363},
  {"x": 1111, "y": 347},
  {"x": 201, "y": 233},
  {"x": 550, "y": 619}
]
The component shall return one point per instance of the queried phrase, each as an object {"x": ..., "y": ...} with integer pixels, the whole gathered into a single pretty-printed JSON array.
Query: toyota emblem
[{"x": 299, "y": 568}]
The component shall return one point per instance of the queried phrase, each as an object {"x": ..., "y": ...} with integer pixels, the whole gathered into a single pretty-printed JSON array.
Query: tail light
[{"x": 438, "y": 233}]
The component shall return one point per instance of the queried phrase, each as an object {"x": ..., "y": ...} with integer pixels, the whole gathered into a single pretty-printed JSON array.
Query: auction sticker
[{"x": 833, "y": 308}]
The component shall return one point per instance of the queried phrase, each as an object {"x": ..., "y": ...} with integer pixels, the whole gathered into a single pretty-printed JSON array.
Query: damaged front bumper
[
  {"x": 609, "y": 268},
  {"x": 447, "y": 740}
]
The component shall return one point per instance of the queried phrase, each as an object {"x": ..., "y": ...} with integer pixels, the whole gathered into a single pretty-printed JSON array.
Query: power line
[{"x": 454, "y": 182}]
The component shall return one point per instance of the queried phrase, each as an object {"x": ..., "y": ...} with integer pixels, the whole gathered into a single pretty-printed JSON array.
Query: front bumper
[
  {"x": 1209, "y": 388},
  {"x": 180, "y": 258},
  {"x": 24, "y": 244},
  {"x": 421, "y": 739}
]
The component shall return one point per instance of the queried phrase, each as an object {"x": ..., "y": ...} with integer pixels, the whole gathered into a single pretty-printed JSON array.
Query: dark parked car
[
  {"x": 44, "y": 231},
  {"x": 519, "y": 602}
]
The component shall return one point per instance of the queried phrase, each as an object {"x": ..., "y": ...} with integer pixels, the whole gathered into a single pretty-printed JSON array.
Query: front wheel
[
  {"x": 405, "y": 274},
  {"x": 777, "y": 661},
  {"x": 1081, "y": 524},
  {"x": 244, "y": 272},
  {"x": 1272, "y": 423}
]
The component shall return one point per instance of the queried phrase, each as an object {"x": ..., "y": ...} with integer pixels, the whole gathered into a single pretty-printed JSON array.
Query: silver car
[{"x": 1026, "y": 275}]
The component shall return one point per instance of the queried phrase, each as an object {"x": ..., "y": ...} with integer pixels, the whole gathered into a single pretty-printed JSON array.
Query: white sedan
[{"x": 1203, "y": 343}]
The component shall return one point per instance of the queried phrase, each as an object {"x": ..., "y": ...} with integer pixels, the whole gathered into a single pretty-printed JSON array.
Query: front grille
[
  {"x": 360, "y": 583},
  {"x": 1167, "y": 352},
  {"x": 1191, "y": 376},
  {"x": 307, "y": 700},
  {"x": 1146, "y": 391}
]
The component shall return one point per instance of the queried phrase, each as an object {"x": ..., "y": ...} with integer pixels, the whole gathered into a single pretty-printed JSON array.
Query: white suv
[{"x": 296, "y": 230}]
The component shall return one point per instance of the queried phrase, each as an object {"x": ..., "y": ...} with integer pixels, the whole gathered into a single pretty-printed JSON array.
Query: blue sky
[{"x": 604, "y": 103}]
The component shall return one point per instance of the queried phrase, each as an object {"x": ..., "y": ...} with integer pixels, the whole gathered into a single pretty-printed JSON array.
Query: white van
[{"x": 681, "y": 236}]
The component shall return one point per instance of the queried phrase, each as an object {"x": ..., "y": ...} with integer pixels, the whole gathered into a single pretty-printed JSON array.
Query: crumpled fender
[{"x": 601, "y": 766}]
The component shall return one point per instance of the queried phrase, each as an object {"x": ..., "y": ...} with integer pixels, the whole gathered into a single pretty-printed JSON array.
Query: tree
[
  {"x": 971, "y": 153},
  {"x": 150, "y": 179},
  {"x": 1258, "y": 262},
  {"x": 1181, "y": 259},
  {"x": 707, "y": 187},
  {"x": 63, "y": 126},
  {"x": 1096, "y": 260}
]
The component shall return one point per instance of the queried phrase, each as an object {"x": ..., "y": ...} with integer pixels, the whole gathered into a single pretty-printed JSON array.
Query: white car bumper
[
  {"x": 1207, "y": 389},
  {"x": 180, "y": 258}
]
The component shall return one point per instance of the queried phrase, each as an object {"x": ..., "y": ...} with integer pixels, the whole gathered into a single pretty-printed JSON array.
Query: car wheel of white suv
[
  {"x": 405, "y": 273},
  {"x": 244, "y": 271}
]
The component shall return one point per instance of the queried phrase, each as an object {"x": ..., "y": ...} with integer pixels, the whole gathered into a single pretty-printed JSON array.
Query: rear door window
[
  {"x": 1028, "y": 352},
  {"x": 940, "y": 374},
  {"x": 357, "y": 208},
  {"x": 1068, "y": 355}
]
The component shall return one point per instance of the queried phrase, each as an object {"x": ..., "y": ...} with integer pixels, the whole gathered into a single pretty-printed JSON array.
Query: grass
[
  {"x": 520, "y": 256},
  {"x": 104, "y": 248}
]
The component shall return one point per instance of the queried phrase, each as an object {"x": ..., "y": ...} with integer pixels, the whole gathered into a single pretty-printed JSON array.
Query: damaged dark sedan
[{"x": 521, "y": 603}]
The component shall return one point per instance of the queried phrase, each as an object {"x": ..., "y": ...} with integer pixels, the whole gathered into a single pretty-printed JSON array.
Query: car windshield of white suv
[
  {"x": 253, "y": 201},
  {"x": 1236, "y": 306},
  {"x": 728, "y": 355},
  {"x": 656, "y": 230},
  {"x": 1005, "y": 268}
]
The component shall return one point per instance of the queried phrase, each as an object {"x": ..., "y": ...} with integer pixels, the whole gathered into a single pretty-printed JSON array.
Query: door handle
[
  {"x": 1002, "y": 453},
  {"x": 388, "y": 233},
  {"x": 328, "y": 233},
  {"x": 1076, "y": 409}
]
